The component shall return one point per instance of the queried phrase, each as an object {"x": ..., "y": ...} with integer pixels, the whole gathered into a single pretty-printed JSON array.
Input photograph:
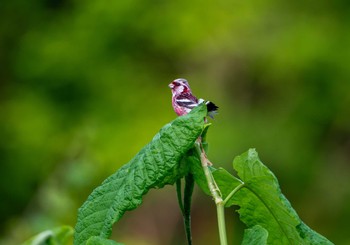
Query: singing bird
[{"x": 184, "y": 101}]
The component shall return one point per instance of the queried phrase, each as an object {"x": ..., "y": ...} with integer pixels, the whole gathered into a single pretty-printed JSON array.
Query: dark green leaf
[
  {"x": 255, "y": 236},
  {"x": 156, "y": 165}
]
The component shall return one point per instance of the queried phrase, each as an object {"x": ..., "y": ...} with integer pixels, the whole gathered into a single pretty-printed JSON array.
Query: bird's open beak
[{"x": 171, "y": 85}]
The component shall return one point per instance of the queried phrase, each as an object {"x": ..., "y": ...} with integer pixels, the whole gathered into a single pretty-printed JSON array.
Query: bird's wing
[{"x": 187, "y": 100}]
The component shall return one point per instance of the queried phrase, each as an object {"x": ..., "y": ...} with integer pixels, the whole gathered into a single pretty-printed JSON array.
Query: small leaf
[
  {"x": 262, "y": 203},
  {"x": 255, "y": 236},
  {"x": 156, "y": 165},
  {"x": 57, "y": 236}
]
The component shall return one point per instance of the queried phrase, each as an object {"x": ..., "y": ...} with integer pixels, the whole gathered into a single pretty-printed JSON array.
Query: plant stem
[
  {"x": 220, "y": 209},
  {"x": 185, "y": 204},
  {"x": 179, "y": 195},
  {"x": 214, "y": 190},
  {"x": 188, "y": 191},
  {"x": 233, "y": 192}
]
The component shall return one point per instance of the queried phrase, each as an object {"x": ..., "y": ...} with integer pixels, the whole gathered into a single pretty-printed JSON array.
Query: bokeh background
[{"x": 84, "y": 87}]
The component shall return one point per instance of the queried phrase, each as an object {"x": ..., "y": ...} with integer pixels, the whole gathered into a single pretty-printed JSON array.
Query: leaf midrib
[{"x": 270, "y": 210}]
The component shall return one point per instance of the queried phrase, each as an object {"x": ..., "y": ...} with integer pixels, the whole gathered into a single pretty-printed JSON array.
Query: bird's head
[{"x": 179, "y": 86}]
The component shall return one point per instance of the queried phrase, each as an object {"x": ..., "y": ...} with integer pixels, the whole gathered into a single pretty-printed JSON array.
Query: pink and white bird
[{"x": 184, "y": 101}]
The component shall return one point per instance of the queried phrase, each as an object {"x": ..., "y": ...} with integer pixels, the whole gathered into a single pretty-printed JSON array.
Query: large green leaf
[
  {"x": 262, "y": 203},
  {"x": 156, "y": 165},
  {"x": 263, "y": 208}
]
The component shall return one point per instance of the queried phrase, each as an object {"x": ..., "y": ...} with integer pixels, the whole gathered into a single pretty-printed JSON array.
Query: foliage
[
  {"x": 263, "y": 208},
  {"x": 262, "y": 203},
  {"x": 156, "y": 165},
  {"x": 74, "y": 75},
  {"x": 255, "y": 236}
]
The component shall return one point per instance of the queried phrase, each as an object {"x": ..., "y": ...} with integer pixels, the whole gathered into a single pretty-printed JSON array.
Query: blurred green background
[{"x": 83, "y": 87}]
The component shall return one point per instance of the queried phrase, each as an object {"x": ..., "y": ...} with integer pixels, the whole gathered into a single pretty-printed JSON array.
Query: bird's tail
[{"x": 212, "y": 109}]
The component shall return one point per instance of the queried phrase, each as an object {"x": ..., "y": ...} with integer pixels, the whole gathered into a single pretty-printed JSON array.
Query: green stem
[
  {"x": 233, "y": 192},
  {"x": 214, "y": 190},
  {"x": 179, "y": 195},
  {"x": 220, "y": 209},
  {"x": 188, "y": 191},
  {"x": 185, "y": 204}
]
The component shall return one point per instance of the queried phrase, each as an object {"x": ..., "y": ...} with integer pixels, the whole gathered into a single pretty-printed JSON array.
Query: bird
[{"x": 183, "y": 101}]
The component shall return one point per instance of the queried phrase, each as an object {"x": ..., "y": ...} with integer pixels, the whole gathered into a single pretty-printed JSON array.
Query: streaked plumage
[{"x": 184, "y": 101}]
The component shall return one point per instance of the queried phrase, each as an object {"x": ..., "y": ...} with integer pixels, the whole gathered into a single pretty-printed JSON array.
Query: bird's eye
[{"x": 176, "y": 84}]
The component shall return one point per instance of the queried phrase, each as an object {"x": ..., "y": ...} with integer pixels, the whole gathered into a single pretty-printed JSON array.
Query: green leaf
[
  {"x": 156, "y": 165},
  {"x": 310, "y": 236},
  {"x": 191, "y": 159},
  {"x": 262, "y": 203},
  {"x": 57, "y": 236},
  {"x": 225, "y": 181},
  {"x": 255, "y": 236}
]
